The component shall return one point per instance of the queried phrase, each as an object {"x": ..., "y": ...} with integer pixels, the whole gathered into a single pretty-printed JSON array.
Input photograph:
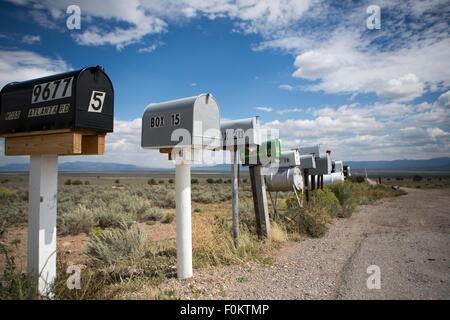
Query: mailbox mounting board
[
  {"x": 197, "y": 116},
  {"x": 81, "y": 99},
  {"x": 241, "y": 133}
]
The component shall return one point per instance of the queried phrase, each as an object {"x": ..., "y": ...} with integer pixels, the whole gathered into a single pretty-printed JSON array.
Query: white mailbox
[
  {"x": 193, "y": 121},
  {"x": 241, "y": 133},
  {"x": 338, "y": 166},
  {"x": 290, "y": 158},
  {"x": 314, "y": 150},
  {"x": 333, "y": 178},
  {"x": 323, "y": 165},
  {"x": 307, "y": 162},
  {"x": 347, "y": 172},
  {"x": 285, "y": 179},
  {"x": 179, "y": 127}
]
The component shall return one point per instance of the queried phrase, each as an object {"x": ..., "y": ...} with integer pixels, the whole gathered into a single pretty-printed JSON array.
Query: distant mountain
[
  {"x": 80, "y": 166},
  {"x": 436, "y": 164}
]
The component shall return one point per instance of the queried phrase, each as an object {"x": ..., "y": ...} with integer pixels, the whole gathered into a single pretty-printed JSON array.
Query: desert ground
[{"x": 407, "y": 235}]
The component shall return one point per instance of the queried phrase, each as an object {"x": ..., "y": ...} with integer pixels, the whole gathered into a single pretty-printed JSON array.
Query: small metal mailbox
[
  {"x": 241, "y": 133},
  {"x": 338, "y": 166},
  {"x": 333, "y": 178},
  {"x": 323, "y": 165},
  {"x": 285, "y": 179},
  {"x": 78, "y": 99},
  {"x": 290, "y": 158},
  {"x": 347, "y": 172},
  {"x": 197, "y": 117},
  {"x": 314, "y": 150},
  {"x": 268, "y": 152},
  {"x": 307, "y": 162}
]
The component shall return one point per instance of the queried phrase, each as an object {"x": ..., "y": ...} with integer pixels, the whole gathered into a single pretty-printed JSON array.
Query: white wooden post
[
  {"x": 235, "y": 193},
  {"x": 183, "y": 219},
  {"x": 42, "y": 205}
]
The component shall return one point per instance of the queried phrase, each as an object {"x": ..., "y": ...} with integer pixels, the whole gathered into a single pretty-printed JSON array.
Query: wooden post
[
  {"x": 260, "y": 201},
  {"x": 42, "y": 203},
  {"x": 313, "y": 182},
  {"x": 321, "y": 181},
  {"x": 307, "y": 184},
  {"x": 235, "y": 193}
]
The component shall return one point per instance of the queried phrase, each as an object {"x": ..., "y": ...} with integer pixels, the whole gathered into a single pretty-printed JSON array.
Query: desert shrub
[
  {"x": 345, "y": 193},
  {"x": 77, "y": 183},
  {"x": 194, "y": 181},
  {"x": 326, "y": 199},
  {"x": 112, "y": 217},
  {"x": 94, "y": 285},
  {"x": 14, "y": 285},
  {"x": 313, "y": 222},
  {"x": 151, "y": 182},
  {"x": 170, "y": 181},
  {"x": 133, "y": 204},
  {"x": 417, "y": 178},
  {"x": 219, "y": 180},
  {"x": 210, "y": 180},
  {"x": 86, "y": 183},
  {"x": 359, "y": 179},
  {"x": 161, "y": 181},
  {"x": 153, "y": 214},
  {"x": 68, "y": 182},
  {"x": 117, "y": 181},
  {"x": 5, "y": 192},
  {"x": 168, "y": 218},
  {"x": 162, "y": 197},
  {"x": 244, "y": 180},
  {"x": 399, "y": 178},
  {"x": 278, "y": 233},
  {"x": 76, "y": 221},
  {"x": 113, "y": 246}
]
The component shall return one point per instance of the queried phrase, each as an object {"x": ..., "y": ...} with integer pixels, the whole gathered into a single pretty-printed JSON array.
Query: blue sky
[{"x": 309, "y": 68}]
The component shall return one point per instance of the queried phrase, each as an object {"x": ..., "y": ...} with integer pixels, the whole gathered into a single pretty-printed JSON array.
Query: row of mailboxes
[{"x": 81, "y": 99}]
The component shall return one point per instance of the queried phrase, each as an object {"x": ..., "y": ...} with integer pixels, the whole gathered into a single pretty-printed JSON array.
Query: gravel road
[{"x": 407, "y": 237}]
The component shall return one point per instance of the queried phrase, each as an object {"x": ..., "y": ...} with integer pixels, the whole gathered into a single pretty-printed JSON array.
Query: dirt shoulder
[{"x": 408, "y": 237}]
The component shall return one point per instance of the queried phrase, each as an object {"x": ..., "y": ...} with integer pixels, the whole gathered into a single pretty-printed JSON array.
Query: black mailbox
[{"x": 81, "y": 99}]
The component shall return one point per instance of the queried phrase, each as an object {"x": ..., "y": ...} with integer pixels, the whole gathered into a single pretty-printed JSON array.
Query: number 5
[{"x": 96, "y": 103}]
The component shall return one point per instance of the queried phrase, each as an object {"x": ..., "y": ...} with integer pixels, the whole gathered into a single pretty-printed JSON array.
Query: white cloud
[
  {"x": 286, "y": 87},
  {"x": 373, "y": 132},
  {"x": 266, "y": 109},
  {"x": 150, "y": 48},
  {"x": 283, "y": 111},
  {"x": 31, "y": 39},
  {"x": 146, "y": 17},
  {"x": 22, "y": 65}
]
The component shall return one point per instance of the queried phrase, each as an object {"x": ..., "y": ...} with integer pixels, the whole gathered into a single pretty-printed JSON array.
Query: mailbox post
[
  {"x": 267, "y": 153},
  {"x": 307, "y": 162},
  {"x": 63, "y": 114},
  {"x": 237, "y": 135},
  {"x": 182, "y": 128},
  {"x": 287, "y": 177}
]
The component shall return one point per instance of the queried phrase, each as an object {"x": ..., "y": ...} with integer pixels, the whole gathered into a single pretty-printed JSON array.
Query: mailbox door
[{"x": 94, "y": 100}]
